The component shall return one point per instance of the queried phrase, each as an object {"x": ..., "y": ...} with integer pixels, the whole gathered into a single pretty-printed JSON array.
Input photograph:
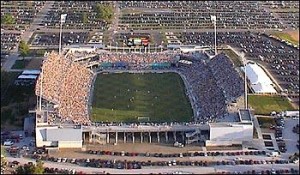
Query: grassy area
[
  {"x": 234, "y": 57},
  {"x": 265, "y": 104},
  {"x": 131, "y": 10},
  {"x": 286, "y": 37},
  {"x": 265, "y": 122},
  {"x": 125, "y": 97},
  {"x": 7, "y": 79},
  {"x": 222, "y": 148},
  {"x": 15, "y": 100},
  {"x": 37, "y": 52},
  {"x": 20, "y": 64}
]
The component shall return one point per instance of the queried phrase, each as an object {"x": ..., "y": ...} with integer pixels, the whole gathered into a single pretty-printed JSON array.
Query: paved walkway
[{"x": 257, "y": 127}]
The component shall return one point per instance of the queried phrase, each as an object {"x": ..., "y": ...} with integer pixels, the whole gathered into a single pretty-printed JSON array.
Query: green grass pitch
[
  {"x": 265, "y": 104},
  {"x": 124, "y": 97}
]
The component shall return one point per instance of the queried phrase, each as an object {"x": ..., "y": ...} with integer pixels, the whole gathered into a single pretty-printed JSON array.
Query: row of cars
[
  {"x": 278, "y": 134},
  {"x": 128, "y": 164},
  {"x": 296, "y": 129},
  {"x": 271, "y": 171},
  {"x": 187, "y": 154}
]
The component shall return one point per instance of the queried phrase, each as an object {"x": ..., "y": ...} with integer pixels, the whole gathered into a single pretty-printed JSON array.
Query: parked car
[{"x": 8, "y": 143}]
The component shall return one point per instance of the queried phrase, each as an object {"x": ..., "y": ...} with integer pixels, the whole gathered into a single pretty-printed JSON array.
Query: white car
[{"x": 8, "y": 143}]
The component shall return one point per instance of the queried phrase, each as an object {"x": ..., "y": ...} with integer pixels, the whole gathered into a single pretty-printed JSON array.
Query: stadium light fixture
[
  {"x": 214, "y": 21},
  {"x": 245, "y": 79},
  {"x": 62, "y": 20},
  {"x": 41, "y": 91}
]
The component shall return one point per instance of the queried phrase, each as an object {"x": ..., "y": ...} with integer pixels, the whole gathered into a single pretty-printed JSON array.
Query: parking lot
[
  {"x": 289, "y": 136},
  {"x": 75, "y": 19},
  {"x": 196, "y": 15},
  {"x": 48, "y": 39}
]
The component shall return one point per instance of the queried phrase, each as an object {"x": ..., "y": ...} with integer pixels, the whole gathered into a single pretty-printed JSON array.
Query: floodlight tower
[
  {"x": 214, "y": 21},
  {"x": 245, "y": 78},
  {"x": 41, "y": 91},
  {"x": 62, "y": 20}
]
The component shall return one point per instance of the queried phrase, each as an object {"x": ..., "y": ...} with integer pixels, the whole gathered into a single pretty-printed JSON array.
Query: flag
[
  {"x": 213, "y": 18},
  {"x": 63, "y": 18}
]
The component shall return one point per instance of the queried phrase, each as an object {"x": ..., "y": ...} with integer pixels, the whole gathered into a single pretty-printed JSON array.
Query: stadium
[{"x": 97, "y": 96}]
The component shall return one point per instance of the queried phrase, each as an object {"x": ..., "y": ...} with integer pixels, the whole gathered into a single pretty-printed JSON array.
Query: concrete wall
[
  {"x": 231, "y": 133},
  {"x": 221, "y": 143},
  {"x": 70, "y": 144},
  {"x": 41, "y": 136}
]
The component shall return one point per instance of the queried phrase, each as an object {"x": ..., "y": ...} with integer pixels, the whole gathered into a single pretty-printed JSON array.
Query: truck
[
  {"x": 273, "y": 154},
  {"x": 291, "y": 113}
]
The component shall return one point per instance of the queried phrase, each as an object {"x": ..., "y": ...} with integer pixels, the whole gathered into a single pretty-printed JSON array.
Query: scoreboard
[{"x": 137, "y": 41}]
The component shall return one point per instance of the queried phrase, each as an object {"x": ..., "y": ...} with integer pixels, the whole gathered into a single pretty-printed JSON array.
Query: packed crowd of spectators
[
  {"x": 9, "y": 41},
  {"x": 66, "y": 84},
  {"x": 207, "y": 96},
  {"x": 196, "y": 15},
  {"x": 137, "y": 61},
  {"x": 227, "y": 78},
  {"x": 53, "y": 38},
  {"x": 53, "y": 70},
  {"x": 75, "y": 93},
  {"x": 281, "y": 60},
  {"x": 75, "y": 18},
  {"x": 22, "y": 12}
]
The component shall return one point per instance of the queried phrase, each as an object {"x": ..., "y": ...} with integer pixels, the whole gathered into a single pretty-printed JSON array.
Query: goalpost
[{"x": 143, "y": 119}]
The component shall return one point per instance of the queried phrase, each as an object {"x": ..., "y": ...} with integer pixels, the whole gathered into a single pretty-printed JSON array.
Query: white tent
[
  {"x": 260, "y": 82},
  {"x": 31, "y": 72},
  {"x": 27, "y": 77}
]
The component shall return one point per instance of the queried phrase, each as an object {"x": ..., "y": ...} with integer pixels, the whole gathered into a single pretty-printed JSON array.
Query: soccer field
[{"x": 127, "y": 97}]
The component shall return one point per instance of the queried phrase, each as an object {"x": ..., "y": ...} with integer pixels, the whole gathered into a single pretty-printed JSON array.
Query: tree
[
  {"x": 26, "y": 169},
  {"x": 23, "y": 50},
  {"x": 20, "y": 170},
  {"x": 31, "y": 168},
  {"x": 84, "y": 18},
  {"x": 8, "y": 19},
  {"x": 39, "y": 169},
  {"x": 104, "y": 12}
]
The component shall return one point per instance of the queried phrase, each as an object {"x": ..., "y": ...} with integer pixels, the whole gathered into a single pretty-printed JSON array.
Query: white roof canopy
[{"x": 260, "y": 81}]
